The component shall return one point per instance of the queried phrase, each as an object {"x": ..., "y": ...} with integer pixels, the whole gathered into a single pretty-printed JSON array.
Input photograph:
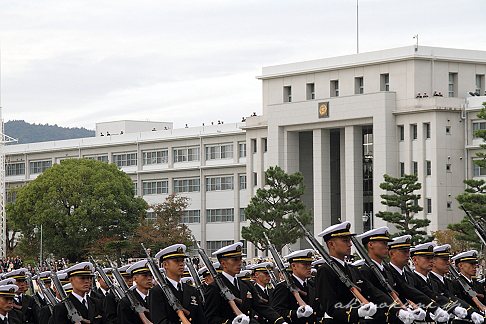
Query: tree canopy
[
  {"x": 272, "y": 210},
  {"x": 77, "y": 201},
  {"x": 400, "y": 194}
]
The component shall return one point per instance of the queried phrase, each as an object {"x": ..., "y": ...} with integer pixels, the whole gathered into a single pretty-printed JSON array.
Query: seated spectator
[
  {"x": 436, "y": 94},
  {"x": 425, "y": 95},
  {"x": 418, "y": 95}
]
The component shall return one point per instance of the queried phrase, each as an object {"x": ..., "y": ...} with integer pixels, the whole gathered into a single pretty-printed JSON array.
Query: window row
[
  {"x": 334, "y": 88},
  {"x": 414, "y": 131},
  {"x": 428, "y": 168}
]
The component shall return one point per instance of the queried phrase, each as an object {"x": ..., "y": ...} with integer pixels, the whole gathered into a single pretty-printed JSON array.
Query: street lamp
[{"x": 36, "y": 230}]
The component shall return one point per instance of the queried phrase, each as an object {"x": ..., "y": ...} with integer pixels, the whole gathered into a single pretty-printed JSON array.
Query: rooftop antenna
[
  {"x": 357, "y": 28},
  {"x": 416, "y": 43},
  {"x": 4, "y": 139}
]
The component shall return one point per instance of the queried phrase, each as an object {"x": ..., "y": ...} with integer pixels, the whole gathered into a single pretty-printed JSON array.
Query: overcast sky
[{"x": 78, "y": 62}]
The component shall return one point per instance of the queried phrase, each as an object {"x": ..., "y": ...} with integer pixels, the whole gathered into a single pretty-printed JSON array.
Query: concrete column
[
  {"x": 236, "y": 204},
  {"x": 353, "y": 152},
  {"x": 322, "y": 179},
  {"x": 291, "y": 152}
]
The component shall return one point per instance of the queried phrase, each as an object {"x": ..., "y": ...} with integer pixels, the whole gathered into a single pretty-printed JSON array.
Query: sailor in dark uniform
[
  {"x": 376, "y": 242},
  {"x": 333, "y": 293},
  {"x": 110, "y": 304},
  {"x": 172, "y": 259},
  {"x": 44, "y": 276},
  {"x": 91, "y": 309},
  {"x": 25, "y": 303},
  {"x": 218, "y": 310},
  {"x": 262, "y": 279},
  {"x": 443, "y": 285},
  {"x": 9, "y": 315},
  {"x": 143, "y": 279},
  {"x": 467, "y": 263},
  {"x": 284, "y": 302}
]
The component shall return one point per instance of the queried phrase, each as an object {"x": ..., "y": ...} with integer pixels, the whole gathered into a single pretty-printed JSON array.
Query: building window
[
  {"x": 427, "y": 130},
  {"x": 287, "y": 94},
  {"x": 358, "y": 85},
  {"x": 254, "y": 145},
  {"x": 102, "y": 158},
  {"x": 478, "y": 171},
  {"x": 368, "y": 145},
  {"x": 448, "y": 130},
  {"x": 213, "y": 246},
  {"x": 384, "y": 82},
  {"x": 448, "y": 168},
  {"x": 242, "y": 149},
  {"x": 186, "y": 154},
  {"x": 415, "y": 167},
  {"x": 218, "y": 152},
  {"x": 452, "y": 84},
  {"x": 414, "y": 131},
  {"x": 135, "y": 188},
  {"x": 191, "y": 216},
  {"x": 401, "y": 133},
  {"x": 255, "y": 179},
  {"x": 219, "y": 183},
  {"x": 242, "y": 181},
  {"x": 156, "y": 157},
  {"x": 220, "y": 215},
  {"x": 125, "y": 159},
  {"x": 449, "y": 205},
  {"x": 151, "y": 217},
  {"x": 187, "y": 185},
  {"x": 39, "y": 166},
  {"x": 15, "y": 168},
  {"x": 155, "y": 187},
  {"x": 478, "y": 126},
  {"x": 11, "y": 196},
  {"x": 402, "y": 169},
  {"x": 265, "y": 145},
  {"x": 310, "y": 93},
  {"x": 335, "y": 88},
  {"x": 480, "y": 85},
  {"x": 242, "y": 215},
  {"x": 429, "y": 167},
  {"x": 429, "y": 205}
]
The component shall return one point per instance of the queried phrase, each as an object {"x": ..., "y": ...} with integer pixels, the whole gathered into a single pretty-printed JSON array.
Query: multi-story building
[{"x": 343, "y": 122}]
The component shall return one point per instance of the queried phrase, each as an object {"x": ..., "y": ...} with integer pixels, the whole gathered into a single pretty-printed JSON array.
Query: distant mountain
[{"x": 32, "y": 133}]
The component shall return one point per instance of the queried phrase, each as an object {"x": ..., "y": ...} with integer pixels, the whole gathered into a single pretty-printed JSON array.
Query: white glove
[
  {"x": 405, "y": 316},
  {"x": 418, "y": 314},
  {"x": 460, "y": 312},
  {"x": 476, "y": 318},
  {"x": 440, "y": 315},
  {"x": 241, "y": 319},
  {"x": 367, "y": 310},
  {"x": 304, "y": 311}
]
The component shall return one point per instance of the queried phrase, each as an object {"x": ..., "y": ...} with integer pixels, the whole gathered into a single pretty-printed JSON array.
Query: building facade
[{"x": 343, "y": 122}]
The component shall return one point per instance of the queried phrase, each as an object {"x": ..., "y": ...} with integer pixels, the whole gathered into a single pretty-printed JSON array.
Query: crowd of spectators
[{"x": 9, "y": 264}]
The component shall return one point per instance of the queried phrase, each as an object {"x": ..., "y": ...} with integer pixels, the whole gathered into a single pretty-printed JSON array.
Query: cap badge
[
  {"x": 448, "y": 249},
  {"x": 430, "y": 248},
  {"x": 407, "y": 240},
  {"x": 22, "y": 273},
  {"x": 475, "y": 254},
  {"x": 309, "y": 254},
  {"x": 348, "y": 226},
  {"x": 11, "y": 290},
  {"x": 179, "y": 249},
  {"x": 86, "y": 267},
  {"x": 238, "y": 248},
  {"x": 247, "y": 275},
  {"x": 386, "y": 233}
]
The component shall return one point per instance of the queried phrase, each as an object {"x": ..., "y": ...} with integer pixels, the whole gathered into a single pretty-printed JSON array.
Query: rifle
[
  {"x": 117, "y": 291},
  {"x": 273, "y": 278},
  {"x": 197, "y": 280},
  {"x": 467, "y": 288},
  {"x": 478, "y": 228},
  {"x": 224, "y": 290},
  {"x": 73, "y": 313},
  {"x": 28, "y": 278},
  {"x": 288, "y": 282},
  {"x": 164, "y": 285},
  {"x": 135, "y": 305},
  {"x": 377, "y": 272},
  {"x": 333, "y": 265},
  {"x": 50, "y": 298}
]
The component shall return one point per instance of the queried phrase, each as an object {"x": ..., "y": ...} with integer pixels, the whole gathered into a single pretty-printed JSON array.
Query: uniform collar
[
  {"x": 299, "y": 280},
  {"x": 438, "y": 276},
  {"x": 421, "y": 275},
  {"x": 338, "y": 260},
  {"x": 380, "y": 265},
  {"x": 400, "y": 271},
  {"x": 173, "y": 282},
  {"x": 141, "y": 294},
  {"x": 78, "y": 297},
  {"x": 229, "y": 277}
]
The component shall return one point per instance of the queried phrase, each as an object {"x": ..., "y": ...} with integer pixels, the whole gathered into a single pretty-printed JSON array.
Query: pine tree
[
  {"x": 402, "y": 196},
  {"x": 272, "y": 210}
]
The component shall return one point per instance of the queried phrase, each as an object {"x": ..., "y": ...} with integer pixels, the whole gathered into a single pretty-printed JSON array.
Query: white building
[{"x": 343, "y": 122}]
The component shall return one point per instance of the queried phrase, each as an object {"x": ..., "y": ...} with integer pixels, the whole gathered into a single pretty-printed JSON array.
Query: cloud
[{"x": 75, "y": 63}]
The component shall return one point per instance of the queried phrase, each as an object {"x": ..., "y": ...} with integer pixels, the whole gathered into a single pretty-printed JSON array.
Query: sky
[{"x": 75, "y": 63}]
